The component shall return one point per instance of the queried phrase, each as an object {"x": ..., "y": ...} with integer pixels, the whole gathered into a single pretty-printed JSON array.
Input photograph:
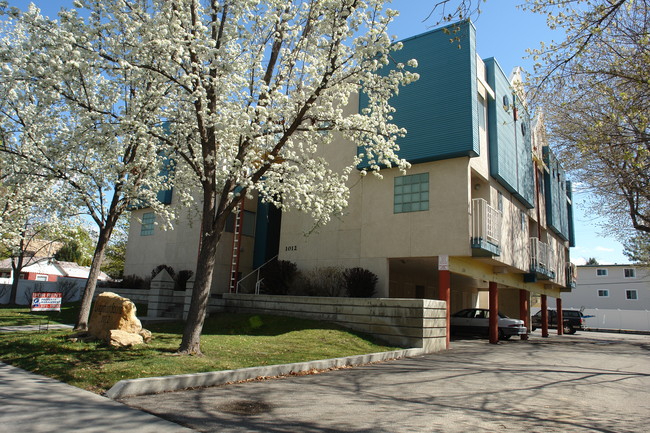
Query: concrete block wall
[
  {"x": 137, "y": 296},
  {"x": 403, "y": 322}
]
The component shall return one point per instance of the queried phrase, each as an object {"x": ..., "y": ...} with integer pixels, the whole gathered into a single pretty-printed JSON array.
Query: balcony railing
[
  {"x": 571, "y": 275},
  {"x": 486, "y": 227},
  {"x": 542, "y": 261}
]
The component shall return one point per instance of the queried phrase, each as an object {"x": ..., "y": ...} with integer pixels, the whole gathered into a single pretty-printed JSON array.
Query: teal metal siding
[
  {"x": 526, "y": 173},
  {"x": 572, "y": 232},
  {"x": 557, "y": 209},
  {"x": 511, "y": 162},
  {"x": 440, "y": 110}
]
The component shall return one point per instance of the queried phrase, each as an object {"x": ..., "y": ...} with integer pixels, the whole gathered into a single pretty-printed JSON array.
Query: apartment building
[
  {"x": 485, "y": 200},
  {"x": 485, "y": 208}
]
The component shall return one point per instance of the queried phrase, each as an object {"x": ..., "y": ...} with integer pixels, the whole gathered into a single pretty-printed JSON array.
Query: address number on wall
[{"x": 291, "y": 248}]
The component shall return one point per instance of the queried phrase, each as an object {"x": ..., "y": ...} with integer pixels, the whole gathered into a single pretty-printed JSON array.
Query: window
[
  {"x": 248, "y": 223},
  {"x": 411, "y": 193},
  {"x": 148, "y": 220},
  {"x": 603, "y": 293},
  {"x": 630, "y": 273},
  {"x": 41, "y": 277},
  {"x": 631, "y": 295},
  {"x": 601, "y": 272},
  {"x": 524, "y": 221},
  {"x": 500, "y": 201}
]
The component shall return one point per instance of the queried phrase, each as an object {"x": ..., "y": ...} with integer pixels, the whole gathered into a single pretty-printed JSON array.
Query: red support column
[
  {"x": 544, "y": 317},
  {"x": 494, "y": 313},
  {"x": 524, "y": 311},
  {"x": 444, "y": 293},
  {"x": 560, "y": 317}
]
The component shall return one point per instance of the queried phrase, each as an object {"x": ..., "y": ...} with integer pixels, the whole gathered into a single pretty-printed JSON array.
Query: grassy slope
[{"x": 229, "y": 341}]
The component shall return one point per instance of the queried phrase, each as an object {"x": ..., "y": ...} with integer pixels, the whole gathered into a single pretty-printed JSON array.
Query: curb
[
  {"x": 618, "y": 331},
  {"x": 154, "y": 385}
]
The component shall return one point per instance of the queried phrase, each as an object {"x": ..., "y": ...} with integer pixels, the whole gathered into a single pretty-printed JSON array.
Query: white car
[{"x": 476, "y": 321}]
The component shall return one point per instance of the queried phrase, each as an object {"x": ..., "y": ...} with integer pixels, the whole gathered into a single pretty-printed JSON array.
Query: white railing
[
  {"x": 486, "y": 222},
  {"x": 571, "y": 275},
  {"x": 541, "y": 255},
  {"x": 244, "y": 285}
]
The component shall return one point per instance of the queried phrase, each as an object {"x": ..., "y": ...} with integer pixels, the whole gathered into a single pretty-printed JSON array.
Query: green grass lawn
[
  {"x": 229, "y": 341},
  {"x": 20, "y": 315}
]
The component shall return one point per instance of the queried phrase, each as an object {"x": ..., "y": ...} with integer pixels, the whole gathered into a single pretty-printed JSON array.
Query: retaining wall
[{"x": 404, "y": 322}]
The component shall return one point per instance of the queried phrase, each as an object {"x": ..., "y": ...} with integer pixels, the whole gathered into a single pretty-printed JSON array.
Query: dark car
[
  {"x": 476, "y": 321},
  {"x": 573, "y": 320}
]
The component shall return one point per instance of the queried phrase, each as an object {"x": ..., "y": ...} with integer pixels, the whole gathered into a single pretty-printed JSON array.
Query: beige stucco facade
[
  {"x": 178, "y": 246},
  {"x": 403, "y": 248}
]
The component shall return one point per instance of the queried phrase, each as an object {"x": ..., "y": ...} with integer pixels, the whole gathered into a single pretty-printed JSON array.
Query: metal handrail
[{"x": 258, "y": 280}]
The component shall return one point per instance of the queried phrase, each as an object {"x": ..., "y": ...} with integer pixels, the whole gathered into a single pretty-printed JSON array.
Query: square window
[
  {"x": 411, "y": 193},
  {"x": 631, "y": 295},
  {"x": 630, "y": 273},
  {"x": 601, "y": 272},
  {"x": 603, "y": 293},
  {"x": 148, "y": 220}
]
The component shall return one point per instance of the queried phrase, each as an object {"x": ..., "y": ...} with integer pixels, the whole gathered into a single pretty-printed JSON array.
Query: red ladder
[{"x": 236, "y": 246}]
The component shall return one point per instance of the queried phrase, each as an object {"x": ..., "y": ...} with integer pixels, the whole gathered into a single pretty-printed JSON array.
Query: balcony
[
  {"x": 571, "y": 276},
  {"x": 542, "y": 261},
  {"x": 485, "y": 230}
]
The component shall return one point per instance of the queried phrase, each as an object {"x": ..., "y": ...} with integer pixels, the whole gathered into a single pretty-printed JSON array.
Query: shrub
[
  {"x": 180, "y": 282},
  {"x": 325, "y": 281},
  {"x": 155, "y": 271},
  {"x": 278, "y": 277},
  {"x": 134, "y": 282},
  {"x": 360, "y": 282}
]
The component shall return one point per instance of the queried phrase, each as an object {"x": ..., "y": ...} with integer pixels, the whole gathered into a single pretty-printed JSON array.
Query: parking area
[{"x": 574, "y": 383}]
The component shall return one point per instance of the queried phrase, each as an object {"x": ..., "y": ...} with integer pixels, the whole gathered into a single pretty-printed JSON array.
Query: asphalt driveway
[{"x": 575, "y": 383}]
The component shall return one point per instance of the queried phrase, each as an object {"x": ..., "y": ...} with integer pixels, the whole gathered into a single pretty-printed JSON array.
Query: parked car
[
  {"x": 476, "y": 321},
  {"x": 573, "y": 320}
]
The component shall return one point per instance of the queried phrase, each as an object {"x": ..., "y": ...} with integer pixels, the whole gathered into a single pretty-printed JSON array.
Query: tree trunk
[
  {"x": 210, "y": 236},
  {"x": 95, "y": 269},
  {"x": 16, "y": 269}
]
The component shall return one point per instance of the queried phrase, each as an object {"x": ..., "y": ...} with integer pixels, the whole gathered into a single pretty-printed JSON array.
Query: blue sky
[{"x": 502, "y": 31}]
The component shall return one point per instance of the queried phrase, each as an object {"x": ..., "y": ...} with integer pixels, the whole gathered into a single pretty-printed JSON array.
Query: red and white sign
[
  {"x": 443, "y": 263},
  {"x": 44, "y": 301}
]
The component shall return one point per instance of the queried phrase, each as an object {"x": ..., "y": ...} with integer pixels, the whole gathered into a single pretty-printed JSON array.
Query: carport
[{"x": 466, "y": 282}]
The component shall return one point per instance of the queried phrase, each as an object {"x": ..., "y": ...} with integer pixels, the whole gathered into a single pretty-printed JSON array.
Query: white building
[{"x": 617, "y": 296}]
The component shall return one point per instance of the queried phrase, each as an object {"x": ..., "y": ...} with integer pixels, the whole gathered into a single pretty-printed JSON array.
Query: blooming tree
[
  {"x": 243, "y": 96},
  {"x": 30, "y": 223},
  {"x": 73, "y": 117},
  {"x": 595, "y": 89}
]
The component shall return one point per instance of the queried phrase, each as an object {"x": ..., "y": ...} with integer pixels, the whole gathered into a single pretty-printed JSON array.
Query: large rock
[
  {"x": 124, "y": 339},
  {"x": 112, "y": 312}
]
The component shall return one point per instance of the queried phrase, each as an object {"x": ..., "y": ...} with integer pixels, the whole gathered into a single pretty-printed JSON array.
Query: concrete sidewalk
[
  {"x": 33, "y": 403},
  {"x": 32, "y": 328}
]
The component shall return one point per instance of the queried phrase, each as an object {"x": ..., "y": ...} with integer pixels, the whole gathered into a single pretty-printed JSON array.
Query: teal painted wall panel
[
  {"x": 511, "y": 162},
  {"x": 526, "y": 172},
  {"x": 503, "y": 151},
  {"x": 261, "y": 233},
  {"x": 572, "y": 231},
  {"x": 440, "y": 110},
  {"x": 557, "y": 209}
]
